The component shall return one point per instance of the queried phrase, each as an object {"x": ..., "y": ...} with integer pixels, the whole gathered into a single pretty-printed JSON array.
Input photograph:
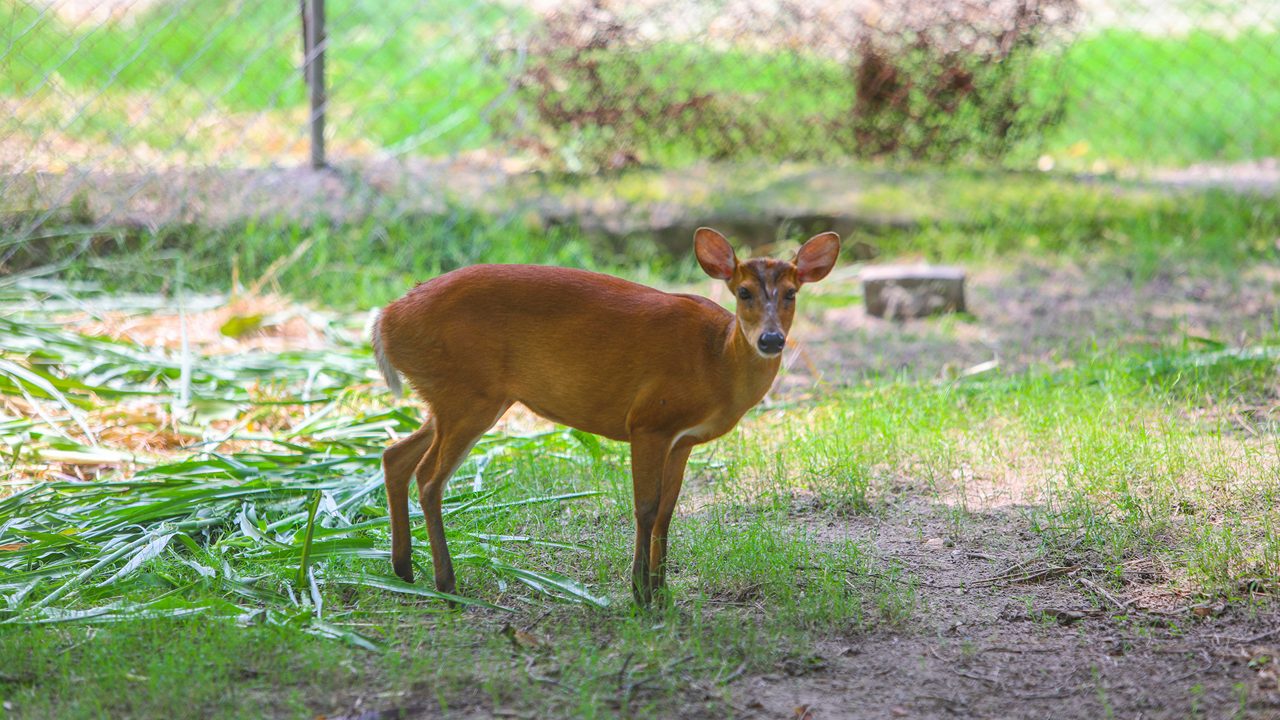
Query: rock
[{"x": 912, "y": 291}]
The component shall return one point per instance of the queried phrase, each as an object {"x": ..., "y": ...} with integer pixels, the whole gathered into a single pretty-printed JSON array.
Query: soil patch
[{"x": 1005, "y": 631}]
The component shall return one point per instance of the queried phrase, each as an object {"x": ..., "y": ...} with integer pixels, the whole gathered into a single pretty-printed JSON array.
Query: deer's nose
[{"x": 771, "y": 342}]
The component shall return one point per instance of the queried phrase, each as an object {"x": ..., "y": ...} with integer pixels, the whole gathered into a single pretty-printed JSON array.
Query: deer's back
[{"x": 572, "y": 345}]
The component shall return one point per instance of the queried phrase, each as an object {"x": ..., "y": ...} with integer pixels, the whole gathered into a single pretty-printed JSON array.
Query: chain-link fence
[{"x": 145, "y": 115}]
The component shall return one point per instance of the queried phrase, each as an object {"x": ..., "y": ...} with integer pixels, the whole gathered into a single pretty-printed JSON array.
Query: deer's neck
[{"x": 750, "y": 373}]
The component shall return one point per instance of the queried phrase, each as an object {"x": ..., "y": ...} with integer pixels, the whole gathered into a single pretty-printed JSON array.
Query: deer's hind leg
[
  {"x": 398, "y": 463},
  {"x": 459, "y": 424}
]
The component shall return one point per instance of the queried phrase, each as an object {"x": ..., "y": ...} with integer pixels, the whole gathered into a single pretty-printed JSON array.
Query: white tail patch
[{"x": 389, "y": 373}]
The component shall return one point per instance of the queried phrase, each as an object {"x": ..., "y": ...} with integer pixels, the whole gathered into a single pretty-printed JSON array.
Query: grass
[
  {"x": 953, "y": 216},
  {"x": 207, "y": 536},
  {"x": 1150, "y": 100},
  {"x": 155, "y": 74},
  {"x": 1122, "y": 458},
  {"x": 195, "y": 81},
  {"x": 350, "y": 265},
  {"x": 959, "y": 215},
  {"x": 258, "y": 534}
]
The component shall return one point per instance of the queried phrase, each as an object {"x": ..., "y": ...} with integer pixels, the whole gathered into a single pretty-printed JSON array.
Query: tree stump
[{"x": 901, "y": 292}]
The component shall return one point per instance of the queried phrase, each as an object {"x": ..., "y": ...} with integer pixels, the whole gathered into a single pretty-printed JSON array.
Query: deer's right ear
[{"x": 715, "y": 254}]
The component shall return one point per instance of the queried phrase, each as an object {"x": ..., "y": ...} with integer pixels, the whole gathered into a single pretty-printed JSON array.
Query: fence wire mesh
[{"x": 125, "y": 119}]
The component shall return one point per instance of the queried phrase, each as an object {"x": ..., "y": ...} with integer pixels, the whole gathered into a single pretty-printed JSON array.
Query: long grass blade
[{"x": 306, "y": 543}]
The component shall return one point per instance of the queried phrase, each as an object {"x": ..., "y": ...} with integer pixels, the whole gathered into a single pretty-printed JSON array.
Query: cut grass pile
[{"x": 300, "y": 498}]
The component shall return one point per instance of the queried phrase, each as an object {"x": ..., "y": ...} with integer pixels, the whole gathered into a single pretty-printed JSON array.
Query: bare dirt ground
[{"x": 1004, "y": 632}]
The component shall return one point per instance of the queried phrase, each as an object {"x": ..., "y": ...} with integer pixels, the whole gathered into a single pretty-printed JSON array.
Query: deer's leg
[
  {"x": 398, "y": 462},
  {"x": 456, "y": 433},
  {"x": 672, "y": 478},
  {"x": 648, "y": 458}
]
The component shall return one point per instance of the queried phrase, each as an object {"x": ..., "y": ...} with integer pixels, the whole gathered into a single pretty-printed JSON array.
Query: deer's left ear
[{"x": 817, "y": 256}]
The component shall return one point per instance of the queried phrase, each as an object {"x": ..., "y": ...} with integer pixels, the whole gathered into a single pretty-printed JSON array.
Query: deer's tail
[{"x": 389, "y": 373}]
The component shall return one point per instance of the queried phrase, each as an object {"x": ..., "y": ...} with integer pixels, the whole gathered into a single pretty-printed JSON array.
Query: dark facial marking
[{"x": 767, "y": 273}]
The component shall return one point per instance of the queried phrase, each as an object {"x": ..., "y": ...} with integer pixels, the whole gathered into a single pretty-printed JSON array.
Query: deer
[{"x": 662, "y": 371}]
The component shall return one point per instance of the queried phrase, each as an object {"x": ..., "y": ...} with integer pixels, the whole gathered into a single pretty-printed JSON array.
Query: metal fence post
[{"x": 313, "y": 43}]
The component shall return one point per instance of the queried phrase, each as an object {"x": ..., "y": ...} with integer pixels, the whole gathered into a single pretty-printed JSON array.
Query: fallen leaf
[
  {"x": 521, "y": 639},
  {"x": 1209, "y": 609},
  {"x": 240, "y": 325},
  {"x": 1065, "y": 617}
]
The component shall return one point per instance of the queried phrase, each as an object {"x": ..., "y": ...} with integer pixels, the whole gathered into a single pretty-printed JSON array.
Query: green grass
[
  {"x": 960, "y": 216},
  {"x": 965, "y": 215},
  {"x": 349, "y": 265},
  {"x": 283, "y": 615},
  {"x": 430, "y": 78},
  {"x": 1128, "y": 459},
  {"x": 1138, "y": 99},
  {"x": 407, "y": 66}
]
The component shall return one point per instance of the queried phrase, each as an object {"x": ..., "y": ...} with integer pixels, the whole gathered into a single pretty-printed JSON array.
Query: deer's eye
[
  {"x": 744, "y": 294},
  {"x": 790, "y": 294}
]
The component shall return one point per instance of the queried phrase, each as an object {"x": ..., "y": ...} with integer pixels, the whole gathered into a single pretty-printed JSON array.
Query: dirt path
[{"x": 1025, "y": 637}]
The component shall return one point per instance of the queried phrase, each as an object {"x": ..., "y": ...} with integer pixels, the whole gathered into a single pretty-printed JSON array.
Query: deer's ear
[
  {"x": 715, "y": 255},
  {"x": 817, "y": 257}
]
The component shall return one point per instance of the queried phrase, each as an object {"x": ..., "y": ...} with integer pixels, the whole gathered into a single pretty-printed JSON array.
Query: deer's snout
[{"x": 771, "y": 342}]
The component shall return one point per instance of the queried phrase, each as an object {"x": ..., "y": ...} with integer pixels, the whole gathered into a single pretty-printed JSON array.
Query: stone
[{"x": 902, "y": 292}]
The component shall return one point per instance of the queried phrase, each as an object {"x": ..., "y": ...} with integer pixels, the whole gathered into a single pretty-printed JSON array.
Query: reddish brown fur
[{"x": 611, "y": 357}]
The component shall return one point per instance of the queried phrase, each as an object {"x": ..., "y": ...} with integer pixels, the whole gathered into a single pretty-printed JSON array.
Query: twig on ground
[
  {"x": 904, "y": 581},
  {"x": 534, "y": 624},
  {"x": 733, "y": 675},
  {"x": 945, "y": 700},
  {"x": 1198, "y": 671},
  {"x": 528, "y": 668},
  {"x": 1036, "y": 576},
  {"x": 622, "y": 671},
  {"x": 1123, "y": 606},
  {"x": 1255, "y": 638},
  {"x": 504, "y": 712},
  {"x": 1056, "y": 694}
]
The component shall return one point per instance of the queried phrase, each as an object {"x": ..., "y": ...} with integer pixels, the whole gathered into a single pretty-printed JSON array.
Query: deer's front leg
[
  {"x": 648, "y": 459},
  {"x": 672, "y": 479}
]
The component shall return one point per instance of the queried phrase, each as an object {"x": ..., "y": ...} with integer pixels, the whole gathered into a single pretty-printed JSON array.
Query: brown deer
[{"x": 662, "y": 371}]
